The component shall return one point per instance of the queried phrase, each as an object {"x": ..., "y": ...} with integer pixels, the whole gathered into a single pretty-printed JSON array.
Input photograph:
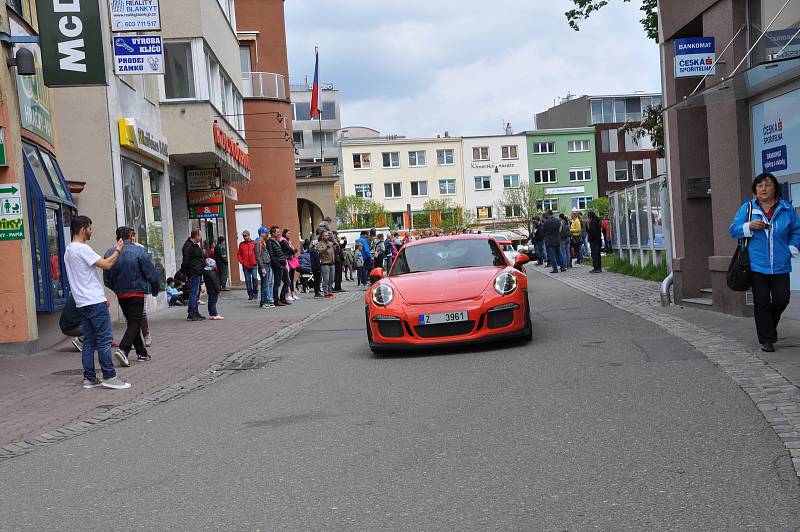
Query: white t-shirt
[{"x": 83, "y": 275}]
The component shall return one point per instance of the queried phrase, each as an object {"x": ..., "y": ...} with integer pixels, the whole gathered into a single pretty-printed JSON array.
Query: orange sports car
[{"x": 448, "y": 291}]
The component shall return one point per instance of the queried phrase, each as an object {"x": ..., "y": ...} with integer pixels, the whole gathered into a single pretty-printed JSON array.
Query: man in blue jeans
[
  {"x": 552, "y": 240},
  {"x": 81, "y": 263},
  {"x": 264, "y": 268},
  {"x": 192, "y": 268}
]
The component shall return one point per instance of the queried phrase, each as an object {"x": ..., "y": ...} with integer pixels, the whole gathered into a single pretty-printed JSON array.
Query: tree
[
  {"x": 444, "y": 214},
  {"x": 356, "y": 212},
  {"x": 652, "y": 124},
  {"x": 599, "y": 206},
  {"x": 584, "y": 9},
  {"x": 522, "y": 203}
]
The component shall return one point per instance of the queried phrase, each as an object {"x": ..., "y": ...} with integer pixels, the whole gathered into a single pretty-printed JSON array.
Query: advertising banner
[
  {"x": 34, "y": 98},
  {"x": 205, "y": 212},
  {"x": 209, "y": 197},
  {"x": 776, "y": 135},
  {"x": 137, "y": 138},
  {"x": 135, "y": 15},
  {"x": 202, "y": 178},
  {"x": 694, "y": 57},
  {"x": 138, "y": 55},
  {"x": 72, "y": 43},
  {"x": 11, "y": 216}
]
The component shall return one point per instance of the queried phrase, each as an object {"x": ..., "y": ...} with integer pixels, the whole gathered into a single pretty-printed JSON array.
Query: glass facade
[
  {"x": 782, "y": 40},
  {"x": 621, "y": 110}
]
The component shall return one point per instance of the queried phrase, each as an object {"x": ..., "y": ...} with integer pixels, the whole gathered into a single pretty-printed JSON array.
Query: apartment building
[
  {"x": 403, "y": 174},
  {"x": 315, "y": 141}
]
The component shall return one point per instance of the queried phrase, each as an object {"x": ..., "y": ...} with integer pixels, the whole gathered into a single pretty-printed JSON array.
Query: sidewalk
[
  {"x": 771, "y": 380},
  {"x": 41, "y": 392}
]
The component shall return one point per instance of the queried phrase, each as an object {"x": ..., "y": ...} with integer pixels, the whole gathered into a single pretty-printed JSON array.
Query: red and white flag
[{"x": 316, "y": 109}]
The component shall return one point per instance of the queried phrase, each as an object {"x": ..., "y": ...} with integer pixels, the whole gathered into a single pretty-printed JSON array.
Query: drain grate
[
  {"x": 246, "y": 365},
  {"x": 68, "y": 372}
]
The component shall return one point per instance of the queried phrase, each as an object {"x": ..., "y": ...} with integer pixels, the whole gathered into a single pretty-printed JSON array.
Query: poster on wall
[
  {"x": 138, "y": 55},
  {"x": 776, "y": 135},
  {"x": 135, "y": 15}
]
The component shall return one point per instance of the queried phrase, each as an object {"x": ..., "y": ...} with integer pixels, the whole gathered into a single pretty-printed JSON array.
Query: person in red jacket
[{"x": 246, "y": 256}]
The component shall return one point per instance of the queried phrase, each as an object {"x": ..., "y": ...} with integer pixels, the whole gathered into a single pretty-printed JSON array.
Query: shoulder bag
[{"x": 739, "y": 268}]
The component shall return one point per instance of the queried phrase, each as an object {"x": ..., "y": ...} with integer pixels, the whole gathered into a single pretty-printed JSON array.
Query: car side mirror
[
  {"x": 521, "y": 260},
  {"x": 375, "y": 275}
]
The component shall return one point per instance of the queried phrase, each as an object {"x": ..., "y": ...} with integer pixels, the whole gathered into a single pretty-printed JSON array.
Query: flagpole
[{"x": 319, "y": 95}]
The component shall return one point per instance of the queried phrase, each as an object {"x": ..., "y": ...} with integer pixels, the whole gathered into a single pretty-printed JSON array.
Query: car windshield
[{"x": 448, "y": 254}]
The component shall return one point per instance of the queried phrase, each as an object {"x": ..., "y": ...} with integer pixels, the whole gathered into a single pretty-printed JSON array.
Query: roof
[
  {"x": 562, "y": 131},
  {"x": 385, "y": 141}
]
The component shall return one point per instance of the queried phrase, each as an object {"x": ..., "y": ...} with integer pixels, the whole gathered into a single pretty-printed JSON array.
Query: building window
[
  {"x": 544, "y": 147},
  {"x": 483, "y": 182},
  {"x": 581, "y": 203},
  {"x": 391, "y": 159},
  {"x": 326, "y": 136},
  {"x": 547, "y": 204},
  {"x": 509, "y": 152},
  {"x": 229, "y": 9},
  {"x": 580, "y": 174},
  {"x": 577, "y": 145},
  {"x": 444, "y": 157},
  {"x": 391, "y": 190},
  {"x": 511, "y": 181},
  {"x": 301, "y": 111},
  {"x": 620, "y": 170},
  {"x": 178, "y": 71},
  {"x": 364, "y": 191},
  {"x": 419, "y": 188},
  {"x": 416, "y": 159},
  {"x": 361, "y": 161},
  {"x": 513, "y": 211},
  {"x": 480, "y": 153},
  {"x": 640, "y": 170},
  {"x": 297, "y": 137},
  {"x": 484, "y": 213},
  {"x": 328, "y": 110},
  {"x": 609, "y": 140},
  {"x": 447, "y": 187},
  {"x": 544, "y": 176}
]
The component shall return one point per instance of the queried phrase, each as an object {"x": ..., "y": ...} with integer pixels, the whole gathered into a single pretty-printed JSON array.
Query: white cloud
[{"x": 419, "y": 68}]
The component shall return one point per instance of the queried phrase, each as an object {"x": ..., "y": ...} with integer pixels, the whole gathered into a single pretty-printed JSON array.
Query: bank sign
[
  {"x": 776, "y": 135},
  {"x": 72, "y": 42},
  {"x": 695, "y": 57},
  {"x": 138, "y": 55},
  {"x": 135, "y": 15}
]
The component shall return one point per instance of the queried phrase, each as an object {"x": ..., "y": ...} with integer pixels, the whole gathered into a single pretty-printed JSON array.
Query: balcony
[{"x": 265, "y": 85}]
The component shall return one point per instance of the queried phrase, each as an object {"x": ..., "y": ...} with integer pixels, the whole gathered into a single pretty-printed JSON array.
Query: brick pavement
[
  {"x": 41, "y": 394},
  {"x": 775, "y": 395}
]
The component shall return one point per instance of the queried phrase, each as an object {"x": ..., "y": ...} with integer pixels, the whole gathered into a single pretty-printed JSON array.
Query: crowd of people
[{"x": 559, "y": 240}]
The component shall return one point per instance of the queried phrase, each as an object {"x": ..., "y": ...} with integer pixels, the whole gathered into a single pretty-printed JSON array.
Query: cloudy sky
[{"x": 422, "y": 67}]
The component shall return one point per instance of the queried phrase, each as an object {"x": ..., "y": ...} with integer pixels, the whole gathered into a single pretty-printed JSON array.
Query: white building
[{"x": 313, "y": 145}]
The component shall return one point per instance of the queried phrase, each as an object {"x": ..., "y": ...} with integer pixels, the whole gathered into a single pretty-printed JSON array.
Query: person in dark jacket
[
  {"x": 213, "y": 288},
  {"x": 264, "y": 268},
  {"x": 221, "y": 258},
  {"x": 316, "y": 269},
  {"x": 552, "y": 241},
  {"x": 280, "y": 274},
  {"x": 192, "y": 268},
  {"x": 595, "y": 235},
  {"x": 566, "y": 237},
  {"x": 131, "y": 278},
  {"x": 338, "y": 263}
]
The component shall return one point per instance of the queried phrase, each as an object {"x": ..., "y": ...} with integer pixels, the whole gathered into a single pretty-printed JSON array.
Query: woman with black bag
[{"x": 771, "y": 229}]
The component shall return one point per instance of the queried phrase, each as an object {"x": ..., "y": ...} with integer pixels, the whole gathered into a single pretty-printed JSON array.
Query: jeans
[
  {"x": 133, "y": 309},
  {"x": 348, "y": 272},
  {"x": 213, "y": 297},
  {"x": 554, "y": 256},
  {"x": 194, "y": 295},
  {"x": 770, "y": 298},
  {"x": 327, "y": 279},
  {"x": 540, "y": 251},
  {"x": 280, "y": 285},
  {"x": 596, "y": 262},
  {"x": 267, "y": 283},
  {"x": 97, "y": 334},
  {"x": 578, "y": 248},
  {"x": 361, "y": 275},
  {"x": 566, "y": 254},
  {"x": 250, "y": 280},
  {"x": 368, "y": 265}
]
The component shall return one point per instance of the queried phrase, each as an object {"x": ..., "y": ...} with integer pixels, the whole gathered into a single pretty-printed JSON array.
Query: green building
[{"x": 562, "y": 167}]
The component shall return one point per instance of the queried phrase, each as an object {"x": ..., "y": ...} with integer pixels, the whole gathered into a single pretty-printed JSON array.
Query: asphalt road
[{"x": 603, "y": 422}]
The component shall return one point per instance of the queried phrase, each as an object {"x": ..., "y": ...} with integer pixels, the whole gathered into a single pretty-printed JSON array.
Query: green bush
[{"x": 651, "y": 272}]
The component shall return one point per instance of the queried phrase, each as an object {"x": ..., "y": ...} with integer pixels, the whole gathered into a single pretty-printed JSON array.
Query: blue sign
[
  {"x": 138, "y": 55},
  {"x": 776, "y": 135},
  {"x": 695, "y": 57},
  {"x": 774, "y": 159}
]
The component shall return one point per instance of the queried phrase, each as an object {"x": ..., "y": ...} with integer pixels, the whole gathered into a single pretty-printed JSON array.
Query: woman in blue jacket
[{"x": 774, "y": 232}]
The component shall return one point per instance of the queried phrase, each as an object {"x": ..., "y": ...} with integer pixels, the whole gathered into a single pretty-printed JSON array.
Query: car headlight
[
  {"x": 382, "y": 295},
  {"x": 505, "y": 284}
]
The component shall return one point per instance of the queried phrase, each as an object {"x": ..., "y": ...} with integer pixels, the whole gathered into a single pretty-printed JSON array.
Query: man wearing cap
[
  {"x": 264, "y": 268},
  {"x": 246, "y": 255}
]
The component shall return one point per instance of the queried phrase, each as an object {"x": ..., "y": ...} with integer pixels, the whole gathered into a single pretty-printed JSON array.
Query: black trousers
[
  {"x": 132, "y": 308},
  {"x": 223, "y": 274},
  {"x": 596, "y": 263},
  {"x": 338, "y": 266},
  {"x": 281, "y": 282},
  {"x": 770, "y": 298},
  {"x": 317, "y": 281}
]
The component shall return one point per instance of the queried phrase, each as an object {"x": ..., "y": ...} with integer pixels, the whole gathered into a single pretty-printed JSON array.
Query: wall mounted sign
[
  {"x": 208, "y": 197},
  {"x": 565, "y": 190},
  {"x": 34, "y": 97},
  {"x": 231, "y": 147},
  {"x": 11, "y": 216},
  {"x": 231, "y": 193},
  {"x": 694, "y": 57},
  {"x": 135, "y": 15},
  {"x": 206, "y": 212},
  {"x": 140, "y": 139},
  {"x": 138, "y": 55},
  {"x": 3, "y": 158},
  {"x": 202, "y": 178},
  {"x": 776, "y": 135}
]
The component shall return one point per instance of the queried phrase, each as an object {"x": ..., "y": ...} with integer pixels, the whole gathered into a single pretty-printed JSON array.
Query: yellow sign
[{"x": 139, "y": 139}]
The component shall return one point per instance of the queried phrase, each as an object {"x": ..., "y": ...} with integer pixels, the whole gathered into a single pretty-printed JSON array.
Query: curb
[
  {"x": 773, "y": 395},
  {"x": 255, "y": 356}
]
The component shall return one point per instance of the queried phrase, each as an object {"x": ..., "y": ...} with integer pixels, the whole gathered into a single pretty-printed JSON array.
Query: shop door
[{"x": 248, "y": 218}]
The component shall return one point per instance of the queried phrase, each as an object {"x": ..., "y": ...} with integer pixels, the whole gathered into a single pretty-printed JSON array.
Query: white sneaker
[
  {"x": 121, "y": 359},
  {"x": 116, "y": 383}
]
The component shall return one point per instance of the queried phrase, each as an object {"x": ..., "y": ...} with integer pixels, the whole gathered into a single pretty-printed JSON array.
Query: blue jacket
[
  {"x": 365, "y": 249},
  {"x": 304, "y": 262},
  {"x": 133, "y": 272},
  {"x": 770, "y": 251}
]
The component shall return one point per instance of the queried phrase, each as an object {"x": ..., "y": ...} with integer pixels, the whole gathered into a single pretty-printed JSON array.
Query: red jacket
[{"x": 247, "y": 254}]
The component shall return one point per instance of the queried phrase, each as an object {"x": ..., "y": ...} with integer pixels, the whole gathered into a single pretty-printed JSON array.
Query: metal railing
[
  {"x": 639, "y": 227},
  {"x": 265, "y": 85}
]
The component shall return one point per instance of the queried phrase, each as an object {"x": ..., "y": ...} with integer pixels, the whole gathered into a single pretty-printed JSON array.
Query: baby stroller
[{"x": 306, "y": 278}]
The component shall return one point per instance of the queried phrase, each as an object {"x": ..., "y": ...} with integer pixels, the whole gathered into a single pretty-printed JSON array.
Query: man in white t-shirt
[{"x": 81, "y": 263}]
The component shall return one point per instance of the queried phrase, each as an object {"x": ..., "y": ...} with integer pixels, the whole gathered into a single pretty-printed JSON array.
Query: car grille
[
  {"x": 500, "y": 318},
  {"x": 390, "y": 328},
  {"x": 444, "y": 329}
]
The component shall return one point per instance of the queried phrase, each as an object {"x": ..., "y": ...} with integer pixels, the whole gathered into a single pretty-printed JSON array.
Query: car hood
[{"x": 444, "y": 285}]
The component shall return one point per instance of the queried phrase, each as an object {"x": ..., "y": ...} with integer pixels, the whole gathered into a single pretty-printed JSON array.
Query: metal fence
[
  {"x": 265, "y": 85},
  {"x": 638, "y": 215}
]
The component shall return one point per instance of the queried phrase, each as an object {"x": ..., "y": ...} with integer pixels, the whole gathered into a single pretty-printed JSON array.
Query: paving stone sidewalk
[
  {"x": 770, "y": 381},
  {"x": 41, "y": 399}
]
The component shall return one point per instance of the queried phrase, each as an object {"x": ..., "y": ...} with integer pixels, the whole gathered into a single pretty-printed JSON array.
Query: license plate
[{"x": 443, "y": 317}]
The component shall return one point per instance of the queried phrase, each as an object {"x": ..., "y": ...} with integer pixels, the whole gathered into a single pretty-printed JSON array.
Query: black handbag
[{"x": 739, "y": 269}]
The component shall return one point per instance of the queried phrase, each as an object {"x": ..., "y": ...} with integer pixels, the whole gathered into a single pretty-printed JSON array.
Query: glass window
[
  {"x": 513, "y": 211},
  {"x": 655, "y": 214},
  {"x": 580, "y": 174},
  {"x": 620, "y": 170},
  {"x": 597, "y": 112},
  {"x": 391, "y": 159},
  {"x": 509, "y": 152},
  {"x": 544, "y": 147},
  {"x": 178, "y": 70},
  {"x": 483, "y": 182},
  {"x": 544, "y": 176},
  {"x": 32, "y": 154},
  {"x": 782, "y": 41},
  {"x": 619, "y": 110},
  {"x": 633, "y": 109},
  {"x": 328, "y": 110},
  {"x": 327, "y": 138},
  {"x": 608, "y": 111},
  {"x": 447, "y": 187},
  {"x": 297, "y": 137},
  {"x": 610, "y": 140},
  {"x": 244, "y": 59},
  {"x": 444, "y": 157},
  {"x": 638, "y": 170},
  {"x": 511, "y": 181},
  {"x": 480, "y": 153},
  {"x": 577, "y": 145},
  {"x": 419, "y": 188},
  {"x": 361, "y": 161},
  {"x": 364, "y": 190},
  {"x": 302, "y": 111},
  {"x": 581, "y": 202},
  {"x": 485, "y": 212},
  {"x": 547, "y": 204},
  {"x": 416, "y": 158},
  {"x": 391, "y": 190},
  {"x": 54, "y": 176}
]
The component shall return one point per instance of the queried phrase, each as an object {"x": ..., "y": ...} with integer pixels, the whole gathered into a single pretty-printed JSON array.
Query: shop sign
[
  {"x": 483, "y": 213},
  {"x": 11, "y": 216},
  {"x": 776, "y": 135},
  {"x": 135, "y": 15},
  {"x": 565, "y": 190},
  {"x": 202, "y": 179},
  {"x": 34, "y": 97},
  {"x": 695, "y": 57},
  {"x": 231, "y": 193},
  {"x": 138, "y": 55},
  {"x": 208, "y": 197},
  {"x": 72, "y": 42},
  {"x": 3, "y": 158},
  {"x": 142, "y": 140},
  {"x": 231, "y": 147},
  {"x": 203, "y": 212}
]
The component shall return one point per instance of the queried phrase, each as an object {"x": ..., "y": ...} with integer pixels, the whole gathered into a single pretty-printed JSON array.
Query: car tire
[
  {"x": 377, "y": 351},
  {"x": 529, "y": 324}
]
